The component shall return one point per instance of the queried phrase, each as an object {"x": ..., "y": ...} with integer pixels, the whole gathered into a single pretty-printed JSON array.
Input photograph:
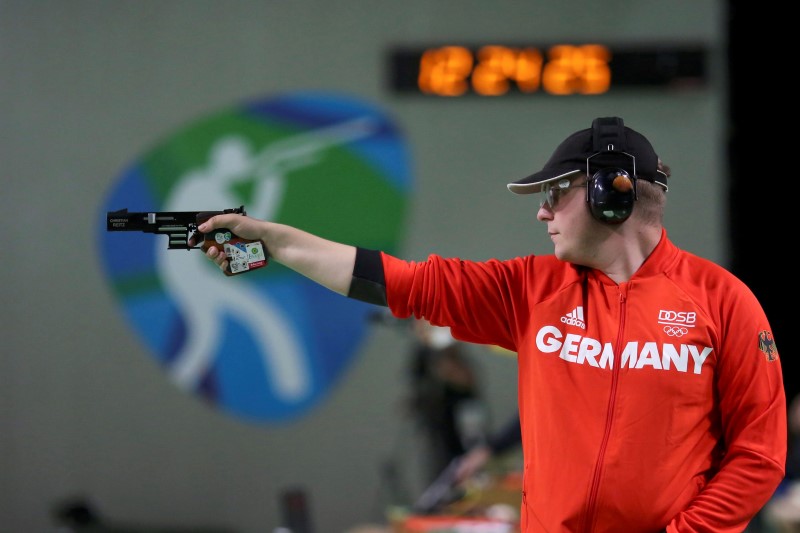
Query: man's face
[{"x": 571, "y": 227}]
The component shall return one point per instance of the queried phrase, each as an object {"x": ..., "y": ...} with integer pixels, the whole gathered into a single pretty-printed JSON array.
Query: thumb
[{"x": 212, "y": 223}]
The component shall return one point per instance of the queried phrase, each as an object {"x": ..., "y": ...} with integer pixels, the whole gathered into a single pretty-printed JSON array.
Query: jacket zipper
[{"x": 612, "y": 400}]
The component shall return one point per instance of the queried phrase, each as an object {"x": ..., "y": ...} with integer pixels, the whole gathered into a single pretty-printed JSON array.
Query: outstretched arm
[{"x": 328, "y": 263}]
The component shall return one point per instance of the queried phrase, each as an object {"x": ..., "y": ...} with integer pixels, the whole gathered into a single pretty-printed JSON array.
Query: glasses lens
[
  {"x": 551, "y": 192},
  {"x": 547, "y": 197}
]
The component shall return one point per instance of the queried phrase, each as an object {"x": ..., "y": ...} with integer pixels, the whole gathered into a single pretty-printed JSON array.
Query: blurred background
[{"x": 105, "y": 102}]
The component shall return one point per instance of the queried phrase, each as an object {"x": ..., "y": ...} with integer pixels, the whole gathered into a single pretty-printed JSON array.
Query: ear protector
[{"x": 611, "y": 190}]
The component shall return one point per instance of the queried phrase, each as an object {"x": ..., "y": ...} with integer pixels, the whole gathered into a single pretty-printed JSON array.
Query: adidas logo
[{"x": 574, "y": 318}]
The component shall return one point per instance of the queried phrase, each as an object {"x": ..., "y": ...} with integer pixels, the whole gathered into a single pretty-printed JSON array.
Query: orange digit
[
  {"x": 558, "y": 75},
  {"x": 444, "y": 71},
  {"x": 574, "y": 69},
  {"x": 596, "y": 74},
  {"x": 528, "y": 70},
  {"x": 495, "y": 66}
]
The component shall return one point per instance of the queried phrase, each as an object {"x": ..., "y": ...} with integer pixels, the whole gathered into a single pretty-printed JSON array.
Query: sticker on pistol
[
  {"x": 222, "y": 236},
  {"x": 245, "y": 256}
]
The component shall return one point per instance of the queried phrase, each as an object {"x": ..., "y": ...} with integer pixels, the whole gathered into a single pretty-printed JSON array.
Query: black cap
[{"x": 608, "y": 136}]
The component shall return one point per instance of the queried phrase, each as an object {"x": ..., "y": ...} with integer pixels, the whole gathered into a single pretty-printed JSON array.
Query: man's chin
[{"x": 562, "y": 253}]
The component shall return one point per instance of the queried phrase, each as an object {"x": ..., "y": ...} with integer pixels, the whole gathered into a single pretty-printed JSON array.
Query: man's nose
[{"x": 544, "y": 213}]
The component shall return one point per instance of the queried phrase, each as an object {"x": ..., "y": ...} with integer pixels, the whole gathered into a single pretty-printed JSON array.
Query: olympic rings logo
[{"x": 675, "y": 331}]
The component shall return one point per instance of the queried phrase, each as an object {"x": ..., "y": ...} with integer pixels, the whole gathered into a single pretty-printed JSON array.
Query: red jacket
[{"x": 651, "y": 404}]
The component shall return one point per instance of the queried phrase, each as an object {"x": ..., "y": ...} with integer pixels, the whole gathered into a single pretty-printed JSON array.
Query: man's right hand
[
  {"x": 326, "y": 262},
  {"x": 243, "y": 226}
]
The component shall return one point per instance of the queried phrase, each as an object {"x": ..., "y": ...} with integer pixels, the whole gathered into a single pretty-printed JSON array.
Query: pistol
[{"x": 181, "y": 229}]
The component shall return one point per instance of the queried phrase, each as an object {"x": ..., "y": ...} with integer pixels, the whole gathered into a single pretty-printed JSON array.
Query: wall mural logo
[{"x": 267, "y": 345}]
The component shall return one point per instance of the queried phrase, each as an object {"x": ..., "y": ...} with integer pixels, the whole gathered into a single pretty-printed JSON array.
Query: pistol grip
[{"x": 243, "y": 255}]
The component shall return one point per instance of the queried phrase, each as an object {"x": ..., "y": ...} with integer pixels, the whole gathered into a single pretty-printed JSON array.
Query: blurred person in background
[
  {"x": 445, "y": 399},
  {"x": 504, "y": 440}
]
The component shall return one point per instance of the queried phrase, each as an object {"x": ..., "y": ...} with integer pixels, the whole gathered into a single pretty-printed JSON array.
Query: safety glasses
[{"x": 552, "y": 192}]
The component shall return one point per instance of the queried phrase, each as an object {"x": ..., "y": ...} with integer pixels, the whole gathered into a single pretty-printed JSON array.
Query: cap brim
[{"x": 533, "y": 183}]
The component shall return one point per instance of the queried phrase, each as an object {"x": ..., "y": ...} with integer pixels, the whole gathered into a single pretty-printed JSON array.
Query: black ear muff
[
  {"x": 611, "y": 193},
  {"x": 611, "y": 190}
]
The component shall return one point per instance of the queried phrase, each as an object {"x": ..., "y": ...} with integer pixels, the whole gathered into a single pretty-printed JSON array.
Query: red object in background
[{"x": 455, "y": 524}]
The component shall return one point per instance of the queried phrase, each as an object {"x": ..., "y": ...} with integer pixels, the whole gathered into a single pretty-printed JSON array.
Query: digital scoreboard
[{"x": 493, "y": 70}]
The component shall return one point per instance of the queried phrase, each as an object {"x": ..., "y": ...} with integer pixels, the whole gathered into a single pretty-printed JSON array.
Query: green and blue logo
[{"x": 267, "y": 345}]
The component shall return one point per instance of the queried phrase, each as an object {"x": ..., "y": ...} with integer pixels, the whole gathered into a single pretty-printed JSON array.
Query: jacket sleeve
[
  {"x": 476, "y": 300},
  {"x": 752, "y": 416}
]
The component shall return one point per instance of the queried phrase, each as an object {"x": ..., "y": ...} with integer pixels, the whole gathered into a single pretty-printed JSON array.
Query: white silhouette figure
[{"x": 203, "y": 294}]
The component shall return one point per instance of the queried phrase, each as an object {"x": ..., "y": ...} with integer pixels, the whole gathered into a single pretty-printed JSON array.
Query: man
[{"x": 650, "y": 387}]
